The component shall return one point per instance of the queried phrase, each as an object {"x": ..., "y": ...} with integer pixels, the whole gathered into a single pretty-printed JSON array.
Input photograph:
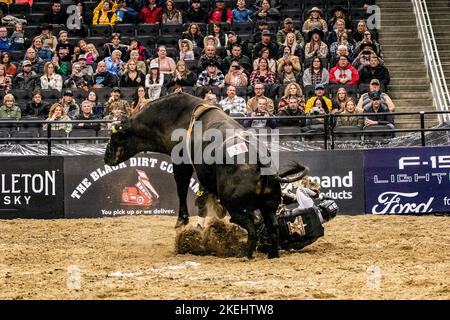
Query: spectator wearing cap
[
  {"x": 86, "y": 114},
  {"x": 233, "y": 39},
  {"x": 266, "y": 12},
  {"x": 64, "y": 43},
  {"x": 171, "y": 14},
  {"x": 103, "y": 78},
  {"x": 114, "y": 63},
  {"x": 211, "y": 76},
  {"x": 236, "y": 55},
  {"x": 166, "y": 64},
  {"x": 377, "y": 107},
  {"x": 364, "y": 100},
  {"x": 233, "y": 103},
  {"x": 5, "y": 42},
  {"x": 241, "y": 13},
  {"x": 288, "y": 27},
  {"x": 116, "y": 98},
  {"x": 316, "y": 47},
  {"x": 375, "y": 71},
  {"x": 27, "y": 79},
  {"x": 38, "y": 45},
  {"x": 259, "y": 92},
  {"x": 36, "y": 61},
  {"x": 266, "y": 43},
  {"x": 9, "y": 109},
  {"x": 105, "y": 13},
  {"x": 115, "y": 44},
  {"x": 314, "y": 21},
  {"x": 151, "y": 14},
  {"x": 316, "y": 73},
  {"x": 77, "y": 79},
  {"x": 344, "y": 73},
  {"x": 262, "y": 74},
  {"x": 50, "y": 79},
  {"x": 220, "y": 13},
  {"x": 36, "y": 108},
  {"x": 71, "y": 108},
  {"x": 86, "y": 69},
  {"x": 196, "y": 13},
  {"x": 56, "y": 16},
  {"x": 319, "y": 92},
  {"x": 154, "y": 81},
  {"x": 49, "y": 41},
  {"x": 261, "y": 26}
]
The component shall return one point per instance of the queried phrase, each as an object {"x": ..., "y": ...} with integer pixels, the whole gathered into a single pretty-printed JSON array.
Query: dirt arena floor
[{"x": 363, "y": 257}]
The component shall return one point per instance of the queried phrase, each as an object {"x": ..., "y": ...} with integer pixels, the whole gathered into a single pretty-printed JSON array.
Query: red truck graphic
[{"x": 142, "y": 194}]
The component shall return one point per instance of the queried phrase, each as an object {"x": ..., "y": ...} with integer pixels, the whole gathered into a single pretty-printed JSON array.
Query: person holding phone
[
  {"x": 236, "y": 75},
  {"x": 262, "y": 74},
  {"x": 261, "y": 111},
  {"x": 288, "y": 56}
]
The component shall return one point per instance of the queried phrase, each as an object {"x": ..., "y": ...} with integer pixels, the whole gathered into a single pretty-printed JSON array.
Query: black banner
[
  {"x": 143, "y": 185},
  {"x": 340, "y": 174},
  {"x": 31, "y": 187}
]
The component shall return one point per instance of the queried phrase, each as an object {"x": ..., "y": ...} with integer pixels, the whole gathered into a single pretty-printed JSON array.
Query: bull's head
[{"x": 121, "y": 146}]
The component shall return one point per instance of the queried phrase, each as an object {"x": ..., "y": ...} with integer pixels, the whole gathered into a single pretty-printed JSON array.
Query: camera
[
  {"x": 262, "y": 79},
  {"x": 260, "y": 114},
  {"x": 366, "y": 52}
]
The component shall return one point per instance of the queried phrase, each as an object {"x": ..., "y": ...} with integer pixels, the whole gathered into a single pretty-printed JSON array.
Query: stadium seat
[
  {"x": 40, "y": 7},
  {"x": 128, "y": 94},
  {"x": 148, "y": 29},
  {"x": 100, "y": 31},
  {"x": 182, "y": 5},
  {"x": 54, "y": 134},
  {"x": 79, "y": 94},
  {"x": 35, "y": 19},
  {"x": 98, "y": 42},
  {"x": 50, "y": 95},
  {"x": 20, "y": 8},
  {"x": 168, "y": 40},
  {"x": 293, "y": 5},
  {"x": 376, "y": 136},
  {"x": 295, "y": 14},
  {"x": 23, "y": 135},
  {"x": 127, "y": 30},
  {"x": 31, "y": 31},
  {"x": 352, "y": 133},
  {"x": 243, "y": 28},
  {"x": 172, "y": 29},
  {"x": 82, "y": 133},
  {"x": 89, "y": 6},
  {"x": 4, "y": 134},
  {"x": 103, "y": 94}
]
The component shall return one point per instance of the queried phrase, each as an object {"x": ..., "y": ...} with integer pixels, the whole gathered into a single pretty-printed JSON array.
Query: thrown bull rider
[{"x": 298, "y": 227}]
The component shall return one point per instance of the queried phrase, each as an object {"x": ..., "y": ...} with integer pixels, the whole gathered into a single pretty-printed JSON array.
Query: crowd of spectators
[{"x": 260, "y": 58}]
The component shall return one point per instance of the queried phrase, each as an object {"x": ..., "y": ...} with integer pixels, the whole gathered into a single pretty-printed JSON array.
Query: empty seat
[
  {"x": 82, "y": 133},
  {"x": 148, "y": 29},
  {"x": 243, "y": 27},
  {"x": 31, "y": 31},
  {"x": 24, "y": 136},
  {"x": 376, "y": 136},
  {"x": 41, "y": 7},
  {"x": 50, "y": 95},
  {"x": 57, "y": 134},
  {"x": 343, "y": 133},
  {"x": 168, "y": 40},
  {"x": 35, "y": 19},
  {"x": 100, "y": 31},
  {"x": 172, "y": 29},
  {"x": 98, "y": 42},
  {"x": 22, "y": 8},
  {"x": 291, "y": 13},
  {"x": 4, "y": 134},
  {"x": 126, "y": 29},
  {"x": 103, "y": 94}
]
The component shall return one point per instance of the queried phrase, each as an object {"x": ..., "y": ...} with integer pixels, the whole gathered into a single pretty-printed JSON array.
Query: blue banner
[{"x": 407, "y": 180}]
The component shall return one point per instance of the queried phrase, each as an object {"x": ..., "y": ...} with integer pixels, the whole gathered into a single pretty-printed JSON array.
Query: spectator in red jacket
[
  {"x": 344, "y": 73},
  {"x": 151, "y": 14},
  {"x": 220, "y": 13}
]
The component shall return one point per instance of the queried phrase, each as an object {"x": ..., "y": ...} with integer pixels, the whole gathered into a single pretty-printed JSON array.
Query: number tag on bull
[{"x": 236, "y": 149}]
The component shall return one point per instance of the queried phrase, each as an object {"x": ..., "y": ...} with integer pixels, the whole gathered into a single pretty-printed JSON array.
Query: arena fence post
[
  {"x": 422, "y": 127},
  {"x": 49, "y": 142},
  {"x": 325, "y": 131}
]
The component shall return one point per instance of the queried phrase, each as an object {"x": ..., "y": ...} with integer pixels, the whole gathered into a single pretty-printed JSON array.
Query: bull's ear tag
[{"x": 113, "y": 129}]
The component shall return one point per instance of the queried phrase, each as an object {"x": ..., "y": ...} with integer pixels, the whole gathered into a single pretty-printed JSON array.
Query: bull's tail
[{"x": 296, "y": 170}]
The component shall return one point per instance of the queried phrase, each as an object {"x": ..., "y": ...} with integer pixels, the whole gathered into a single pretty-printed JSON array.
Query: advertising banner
[
  {"x": 407, "y": 180},
  {"x": 31, "y": 187},
  {"x": 340, "y": 174},
  {"x": 143, "y": 185}
]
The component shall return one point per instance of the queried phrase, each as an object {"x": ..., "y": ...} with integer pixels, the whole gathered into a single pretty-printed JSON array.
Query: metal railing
[
  {"x": 328, "y": 136},
  {"x": 439, "y": 90}
]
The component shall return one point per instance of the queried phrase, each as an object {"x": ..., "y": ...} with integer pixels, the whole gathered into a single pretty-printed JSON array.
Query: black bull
[{"x": 241, "y": 188}]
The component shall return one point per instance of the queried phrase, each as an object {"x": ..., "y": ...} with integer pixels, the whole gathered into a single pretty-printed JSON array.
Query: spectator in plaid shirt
[
  {"x": 232, "y": 103},
  {"x": 212, "y": 76},
  {"x": 262, "y": 74}
]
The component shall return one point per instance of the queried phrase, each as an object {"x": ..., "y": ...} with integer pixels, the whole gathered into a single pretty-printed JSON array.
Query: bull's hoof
[
  {"x": 181, "y": 222},
  {"x": 273, "y": 255}
]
